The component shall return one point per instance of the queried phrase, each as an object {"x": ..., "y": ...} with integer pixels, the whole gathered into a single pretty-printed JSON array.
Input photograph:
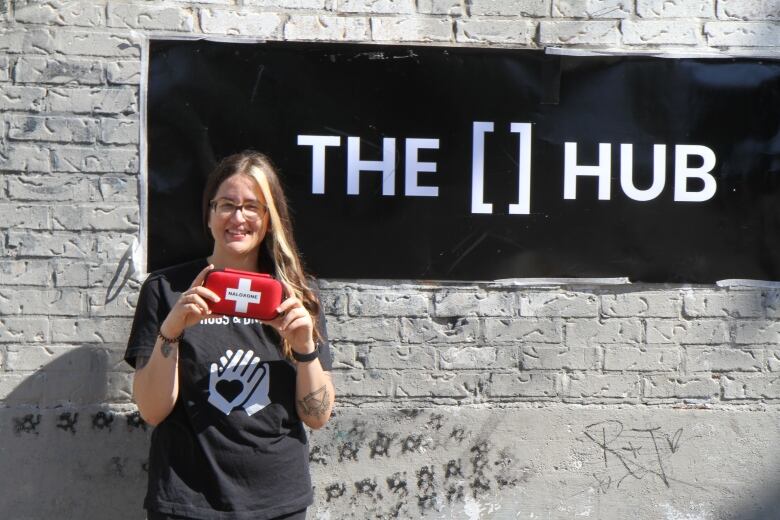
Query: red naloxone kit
[{"x": 245, "y": 294}]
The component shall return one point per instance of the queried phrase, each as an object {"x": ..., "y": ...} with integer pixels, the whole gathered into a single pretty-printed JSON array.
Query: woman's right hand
[{"x": 190, "y": 308}]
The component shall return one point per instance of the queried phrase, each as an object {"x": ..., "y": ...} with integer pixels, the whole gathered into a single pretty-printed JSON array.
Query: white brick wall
[{"x": 70, "y": 74}]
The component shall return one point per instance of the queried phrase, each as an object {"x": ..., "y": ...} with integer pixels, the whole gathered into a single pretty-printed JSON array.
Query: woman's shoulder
[{"x": 179, "y": 275}]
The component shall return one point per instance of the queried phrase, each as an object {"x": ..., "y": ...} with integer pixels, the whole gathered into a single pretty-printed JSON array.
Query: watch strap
[{"x": 311, "y": 356}]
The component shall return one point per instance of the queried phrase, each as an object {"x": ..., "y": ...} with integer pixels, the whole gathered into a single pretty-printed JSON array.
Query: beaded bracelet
[{"x": 170, "y": 340}]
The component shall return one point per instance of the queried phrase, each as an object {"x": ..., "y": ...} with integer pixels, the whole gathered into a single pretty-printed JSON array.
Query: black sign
[{"x": 477, "y": 164}]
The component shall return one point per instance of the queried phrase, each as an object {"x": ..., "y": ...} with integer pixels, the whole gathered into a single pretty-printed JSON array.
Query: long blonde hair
[{"x": 279, "y": 244}]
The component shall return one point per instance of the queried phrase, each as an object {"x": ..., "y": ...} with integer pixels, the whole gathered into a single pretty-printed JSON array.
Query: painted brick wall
[{"x": 454, "y": 400}]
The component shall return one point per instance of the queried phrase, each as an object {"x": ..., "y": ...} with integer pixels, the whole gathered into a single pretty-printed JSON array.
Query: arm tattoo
[
  {"x": 166, "y": 349},
  {"x": 141, "y": 361},
  {"x": 316, "y": 403}
]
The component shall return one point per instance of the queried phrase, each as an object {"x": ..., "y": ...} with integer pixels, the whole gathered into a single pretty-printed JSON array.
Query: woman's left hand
[{"x": 295, "y": 324}]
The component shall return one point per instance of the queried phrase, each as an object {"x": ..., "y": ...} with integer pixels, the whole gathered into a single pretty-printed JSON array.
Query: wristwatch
[{"x": 311, "y": 356}]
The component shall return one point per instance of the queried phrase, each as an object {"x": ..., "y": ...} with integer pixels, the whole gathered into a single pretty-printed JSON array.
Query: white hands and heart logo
[{"x": 240, "y": 380}]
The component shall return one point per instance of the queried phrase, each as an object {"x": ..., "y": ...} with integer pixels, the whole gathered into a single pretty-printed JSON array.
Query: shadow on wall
[{"x": 64, "y": 452}]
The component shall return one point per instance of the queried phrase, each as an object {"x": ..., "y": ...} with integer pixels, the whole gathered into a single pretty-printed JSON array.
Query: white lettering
[
  {"x": 572, "y": 170},
  {"x": 682, "y": 173},
  {"x": 627, "y": 173},
  {"x": 355, "y": 165},
  {"x": 318, "y": 144},
  {"x": 523, "y": 206},
  {"x": 243, "y": 295},
  {"x": 478, "y": 204},
  {"x": 413, "y": 167}
]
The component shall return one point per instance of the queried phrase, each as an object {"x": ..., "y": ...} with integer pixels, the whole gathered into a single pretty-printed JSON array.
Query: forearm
[
  {"x": 314, "y": 394},
  {"x": 156, "y": 384}
]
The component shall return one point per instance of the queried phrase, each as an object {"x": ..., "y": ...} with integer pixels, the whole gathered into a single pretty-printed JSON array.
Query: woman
[{"x": 228, "y": 396}]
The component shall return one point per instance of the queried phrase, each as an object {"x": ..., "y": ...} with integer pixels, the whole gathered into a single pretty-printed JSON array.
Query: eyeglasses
[{"x": 251, "y": 210}]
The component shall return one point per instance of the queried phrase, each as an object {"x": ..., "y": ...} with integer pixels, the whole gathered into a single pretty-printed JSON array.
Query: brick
[
  {"x": 569, "y": 305},
  {"x": 5, "y": 71},
  {"x": 70, "y": 274},
  {"x": 687, "y": 332},
  {"x": 151, "y": 17},
  {"x": 375, "y": 6},
  {"x": 260, "y": 25},
  {"x": 436, "y": 384},
  {"x": 724, "y": 360},
  {"x": 749, "y": 9},
  {"x": 666, "y": 387},
  {"x": 327, "y": 28},
  {"x": 538, "y": 8},
  {"x": 772, "y": 357},
  {"x": 101, "y": 100},
  {"x": 579, "y": 33},
  {"x": 675, "y": 8},
  {"x": 95, "y": 217},
  {"x": 398, "y": 29},
  {"x": 635, "y": 360},
  {"x": 111, "y": 245},
  {"x": 122, "y": 305},
  {"x": 666, "y": 304},
  {"x": 364, "y": 383},
  {"x": 25, "y": 158},
  {"x": 477, "y": 358},
  {"x": 94, "y": 160},
  {"x": 448, "y": 7},
  {"x": 49, "y": 187},
  {"x": 36, "y": 301},
  {"x": 363, "y": 330},
  {"x": 20, "y": 216},
  {"x": 742, "y": 34},
  {"x": 57, "y": 12},
  {"x": 15, "y": 329},
  {"x": 24, "y": 389},
  {"x": 48, "y": 244},
  {"x": 521, "y": 385},
  {"x": 123, "y": 72},
  {"x": 439, "y": 331},
  {"x": 69, "y": 41},
  {"x": 772, "y": 304},
  {"x": 610, "y": 386},
  {"x": 757, "y": 332},
  {"x": 334, "y": 303},
  {"x": 41, "y": 70},
  {"x": 345, "y": 356},
  {"x": 119, "y": 388},
  {"x": 585, "y": 333},
  {"x": 120, "y": 131},
  {"x": 54, "y": 129},
  {"x": 661, "y": 32},
  {"x": 415, "y": 357},
  {"x": 523, "y": 330},
  {"x": 289, "y": 4},
  {"x": 518, "y": 32},
  {"x": 25, "y": 272},
  {"x": 112, "y": 189},
  {"x": 388, "y": 303},
  {"x": 14, "y": 97},
  {"x": 90, "y": 330},
  {"x": 592, "y": 8},
  {"x": 450, "y": 303},
  {"x": 547, "y": 357},
  {"x": 737, "y": 304},
  {"x": 33, "y": 357},
  {"x": 743, "y": 386}
]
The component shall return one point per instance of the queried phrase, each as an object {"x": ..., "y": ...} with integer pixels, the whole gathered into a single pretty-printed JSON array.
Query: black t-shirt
[{"x": 233, "y": 447}]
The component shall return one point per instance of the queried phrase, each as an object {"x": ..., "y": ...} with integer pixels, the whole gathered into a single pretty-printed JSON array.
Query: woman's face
[{"x": 234, "y": 234}]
